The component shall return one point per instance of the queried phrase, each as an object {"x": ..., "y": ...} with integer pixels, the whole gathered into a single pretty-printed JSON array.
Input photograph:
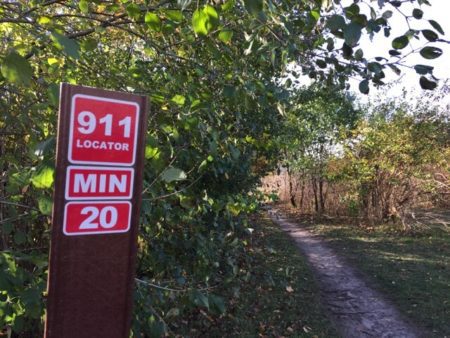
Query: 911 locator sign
[
  {"x": 102, "y": 149},
  {"x": 103, "y": 131},
  {"x": 96, "y": 206}
]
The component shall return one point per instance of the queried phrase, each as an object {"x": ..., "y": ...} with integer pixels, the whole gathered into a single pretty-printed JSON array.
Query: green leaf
[
  {"x": 217, "y": 303},
  {"x": 199, "y": 19},
  {"x": 375, "y": 67},
  {"x": 347, "y": 51},
  {"x": 364, "y": 86},
  {"x": 400, "y": 42},
  {"x": 84, "y": 6},
  {"x": 157, "y": 98},
  {"x": 173, "y": 174},
  {"x": 315, "y": 15},
  {"x": 31, "y": 298},
  {"x": 186, "y": 202},
  {"x": 373, "y": 14},
  {"x": 395, "y": 69},
  {"x": 430, "y": 35},
  {"x": 254, "y": 7},
  {"x": 205, "y": 19},
  {"x": 174, "y": 15},
  {"x": 200, "y": 299},
  {"x": 321, "y": 63},
  {"x": 53, "y": 94},
  {"x": 16, "y": 69},
  {"x": 431, "y": 52},
  {"x": 225, "y": 35},
  {"x": 335, "y": 23},
  {"x": 150, "y": 152},
  {"x": 213, "y": 17},
  {"x": 179, "y": 100},
  {"x": 436, "y": 26},
  {"x": 427, "y": 84},
  {"x": 352, "y": 34},
  {"x": 89, "y": 44},
  {"x": 173, "y": 312},
  {"x": 423, "y": 69},
  {"x": 45, "y": 205},
  {"x": 70, "y": 46},
  {"x": 394, "y": 52},
  {"x": 46, "y": 146},
  {"x": 44, "y": 20},
  {"x": 153, "y": 21},
  {"x": 417, "y": 13},
  {"x": 330, "y": 44},
  {"x": 352, "y": 10},
  {"x": 386, "y": 15},
  {"x": 134, "y": 11},
  {"x": 43, "y": 178},
  {"x": 228, "y": 5}
]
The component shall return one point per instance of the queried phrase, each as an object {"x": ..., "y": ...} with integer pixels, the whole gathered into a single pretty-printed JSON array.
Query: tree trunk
[
  {"x": 302, "y": 193},
  {"x": 321, "y": 195},
  {"x": 316, "y": 201},
  {"x": 292, "y": 192}
]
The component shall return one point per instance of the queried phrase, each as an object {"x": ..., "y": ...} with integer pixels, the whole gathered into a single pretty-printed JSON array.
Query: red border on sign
[
  {"x": 71, "y": 125},
  {"x": 83, "y": 233},
  {"x": 72, "y": 167}
]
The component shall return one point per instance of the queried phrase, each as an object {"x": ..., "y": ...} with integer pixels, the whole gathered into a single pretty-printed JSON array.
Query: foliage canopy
[{"x": 210, "y": 69}]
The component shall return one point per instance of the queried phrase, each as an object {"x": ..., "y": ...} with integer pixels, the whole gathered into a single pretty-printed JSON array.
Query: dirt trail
[{"x": 357, "y": 310}]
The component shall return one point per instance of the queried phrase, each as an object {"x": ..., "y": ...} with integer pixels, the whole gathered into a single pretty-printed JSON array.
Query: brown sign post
[{"x": 98, "y": 184}]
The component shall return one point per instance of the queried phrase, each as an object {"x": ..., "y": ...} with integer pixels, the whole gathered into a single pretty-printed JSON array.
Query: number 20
[{"x": 105, "y": 218}]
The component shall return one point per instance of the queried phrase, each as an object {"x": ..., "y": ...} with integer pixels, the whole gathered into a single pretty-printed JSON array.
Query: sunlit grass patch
[{"x": 412, "y": 269}]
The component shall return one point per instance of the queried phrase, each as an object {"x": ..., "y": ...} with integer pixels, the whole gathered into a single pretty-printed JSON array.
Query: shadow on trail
[{"x": 356, "y": 309}]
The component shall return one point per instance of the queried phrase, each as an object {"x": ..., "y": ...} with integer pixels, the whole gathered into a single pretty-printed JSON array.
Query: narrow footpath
[{"x": 357, "y": 310}]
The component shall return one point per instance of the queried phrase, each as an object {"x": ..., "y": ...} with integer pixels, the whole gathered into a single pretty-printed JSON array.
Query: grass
[
  {"x": 412, "y": 269},
  {"x": 277, "y": 298}
]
